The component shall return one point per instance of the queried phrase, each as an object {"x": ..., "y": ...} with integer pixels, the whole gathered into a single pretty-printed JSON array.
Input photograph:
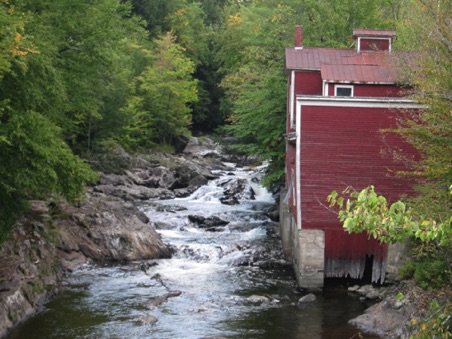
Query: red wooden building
[{"x": 339, "y": 100}]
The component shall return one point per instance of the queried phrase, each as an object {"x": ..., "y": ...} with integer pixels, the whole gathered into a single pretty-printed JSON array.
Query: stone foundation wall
[{"x": 304, "y": 248}]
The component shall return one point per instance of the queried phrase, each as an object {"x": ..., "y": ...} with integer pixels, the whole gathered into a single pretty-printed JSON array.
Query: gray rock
[
  {"x": 372, "y": 295},
  {"x": 353, "y": 288},
  {"x": 157, "y": 301},
  {"x": 203, "y": 147},
  {"x": 202, "y": 221},
  {"x": 198, "y": 181},
  {"x": 235, "y": 190},
  {"x": 308, "y": 298},
  {"x": 365, "y": 289},
  {"x": 258, "y": 299},
  {"x": 180, "y": 142},
  {"x": 108, "y": 229},
  {"x": 148, "y": 320},
  {"x": 113, "y": 179},
  {"x": 397, "y": 305}
]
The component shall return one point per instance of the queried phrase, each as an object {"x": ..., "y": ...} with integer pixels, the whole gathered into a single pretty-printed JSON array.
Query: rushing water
[{"x": 219, "y": 273}]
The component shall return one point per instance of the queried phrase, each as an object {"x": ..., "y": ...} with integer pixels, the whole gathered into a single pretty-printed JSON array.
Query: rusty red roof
[
  {"x": 342, "y": 64},
  {"x": 380, "y": 33},
  {"x": 356, "y": 73},
  {"x": 312, "y": 58}
]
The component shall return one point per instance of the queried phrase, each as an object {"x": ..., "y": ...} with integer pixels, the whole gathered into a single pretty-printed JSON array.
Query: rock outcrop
[
  {"x": 106, "y": 228},
  {"x": 402, "y": 308},
  {"x": 29, "y": 268},
  {"x": 55, "y": 237}
]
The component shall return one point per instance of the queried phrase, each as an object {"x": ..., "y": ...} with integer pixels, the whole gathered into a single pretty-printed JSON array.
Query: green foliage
[
  {"x": 438, "y": 324},
  {"x": 399, "y": 297},
  {"x": 35, "y": 163},
  {"x": 190, "y": 32},
  {"x": 155, "y": 13},
  {"x": 77, "y": 66},
  {"x": 193, "y": 25},
  {"x": 407, "y": 271},
  {"x": 13, "y": 42},
  {"x": 330, "y": 23},
  {"x": 252, "y": 50},
  {"x": 160, "y": 109},
  {"x": 433, "y": 274},
  {"x": 368, "y": 211}
]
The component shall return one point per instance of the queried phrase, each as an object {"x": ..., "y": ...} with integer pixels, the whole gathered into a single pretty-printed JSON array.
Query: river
[{"x": 226, "y": 280}]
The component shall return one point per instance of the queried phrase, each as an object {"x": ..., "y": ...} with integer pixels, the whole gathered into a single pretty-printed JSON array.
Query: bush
[
  {"x": 431, "y": 274},
  {"x": 407, "y": 271}
]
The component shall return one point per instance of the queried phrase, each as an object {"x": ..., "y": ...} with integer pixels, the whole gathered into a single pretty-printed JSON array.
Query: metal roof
[
  {"x": 378, "y": 33},
  {"x": 356, "y": 73},
  {"x": 343, "y": 64}
]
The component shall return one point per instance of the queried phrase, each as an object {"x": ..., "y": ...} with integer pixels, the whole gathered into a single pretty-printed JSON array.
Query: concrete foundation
[
  {"x": 304, "y": 248},
  {"x": 397, "y": 257}
]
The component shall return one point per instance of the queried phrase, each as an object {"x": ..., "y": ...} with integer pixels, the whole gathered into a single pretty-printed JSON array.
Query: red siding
[
  {"x": 342, "y": 147},
  {"x": 374, "y": 44},
  {"x": 339, "y": 244},
  {"x": 308, "y": 83},
  {"x": 371, "y": 90},
  {"x": 378, "y": 91}
]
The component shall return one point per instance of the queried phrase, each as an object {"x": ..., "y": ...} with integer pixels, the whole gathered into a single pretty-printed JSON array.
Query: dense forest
[{"x": 80, "y": 78}]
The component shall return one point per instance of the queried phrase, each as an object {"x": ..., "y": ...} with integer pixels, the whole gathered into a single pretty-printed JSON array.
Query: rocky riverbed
[{"x": 54, "y": 238}]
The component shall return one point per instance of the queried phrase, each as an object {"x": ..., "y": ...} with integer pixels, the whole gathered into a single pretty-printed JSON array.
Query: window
[{"x": 343, "y": 91}]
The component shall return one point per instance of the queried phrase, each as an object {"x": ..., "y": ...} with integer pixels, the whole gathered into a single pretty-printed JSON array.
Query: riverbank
[
  {"x": 404, "y": 310},
  {"x": 54, "y": 238}
]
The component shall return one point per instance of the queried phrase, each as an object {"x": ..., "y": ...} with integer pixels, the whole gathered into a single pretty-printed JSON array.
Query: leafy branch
[{"x": 389, "y": 223}]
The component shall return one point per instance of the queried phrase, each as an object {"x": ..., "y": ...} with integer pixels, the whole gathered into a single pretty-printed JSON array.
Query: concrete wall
[
  {"x": 304, "y": 248},
  {"x": 397, "y": 257}
]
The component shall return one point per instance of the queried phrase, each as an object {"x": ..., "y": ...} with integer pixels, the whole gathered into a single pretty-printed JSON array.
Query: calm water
[{"x": 216, "y": 273}]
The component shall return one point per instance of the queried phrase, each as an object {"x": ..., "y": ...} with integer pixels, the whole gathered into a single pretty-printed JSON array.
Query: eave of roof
[
  {"x": 378, "y": 33},
  {"x": 349, "y": 65},
  {"x": 382, "y": 102}
]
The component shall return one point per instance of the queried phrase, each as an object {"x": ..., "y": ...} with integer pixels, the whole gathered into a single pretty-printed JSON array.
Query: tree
[
  {"x": 35, "y": 163},
  {"x": 80, "y": 64},
  {"x": 160, "y": 107},
  {"x": 251, "y": 52}
]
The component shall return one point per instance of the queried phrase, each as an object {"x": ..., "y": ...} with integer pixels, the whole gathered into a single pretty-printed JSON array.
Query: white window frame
[
  {"x": 292, "y": 101},
  {"x": 374, "y": 38},
  {"x": 343, "y": 86}
]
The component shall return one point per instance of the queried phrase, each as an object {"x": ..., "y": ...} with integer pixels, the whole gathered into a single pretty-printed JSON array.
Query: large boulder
[
  {"x": 203, "y": 147},
  {"x": 208, "y": 222},
  {"x": 236, "y": 190},
  {"x": 180, "y": 142},
  {"x": 108, "y": 228},
  {"x": 154, "y": 177}
]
